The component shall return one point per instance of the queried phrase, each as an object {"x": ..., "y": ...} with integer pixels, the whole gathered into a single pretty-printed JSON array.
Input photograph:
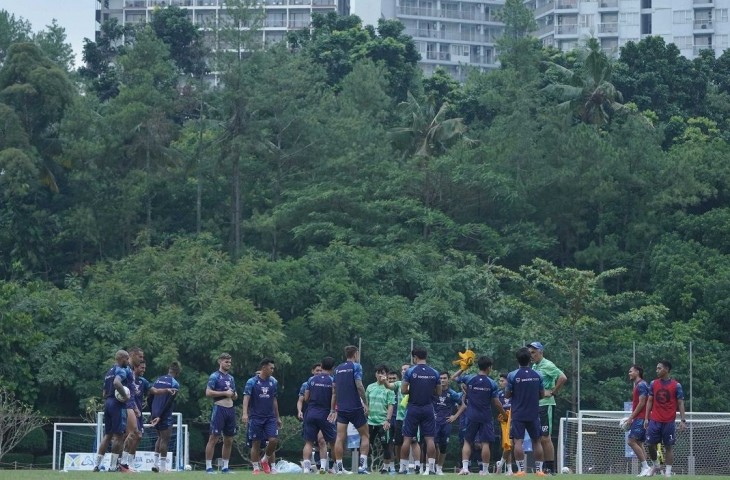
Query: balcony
[
  {"x": 548, "y": 7},
  {"x": 566, "y": 5},
  {"x": 608, "y": 28},
  {"x": 703, "y": 24},
  {"x": 442, "y": 56},
  {"x": 544, "y": 30},
  {"x": 181, "y": 3},
  {"x": 613, "y": 4},
  {"x": 454, "y": 14},
  {"x": 206, "y": 3},
  {"x": 571, "y": 29},
  {"x": 482, "y": 60},
  {"x": 299, "y": 23},
  {"x": 703, "y": 3},
  {"x": 275, "y": 23},
  {"x": 698, "y": 48},
  {"x": 324, "y": 3},
  {"x": 135, "y": 3},
  {"x": 424, "y": 33}
]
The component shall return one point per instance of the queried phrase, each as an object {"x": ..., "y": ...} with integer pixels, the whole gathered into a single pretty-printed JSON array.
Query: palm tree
[{"x": 588, "y": 92}]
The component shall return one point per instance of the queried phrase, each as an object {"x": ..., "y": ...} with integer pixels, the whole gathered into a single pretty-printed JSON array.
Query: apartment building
[
  {"x": 448, "y": 33},
  {"x": 692, "y": 25},
  {"x": 280, "y": 15}
]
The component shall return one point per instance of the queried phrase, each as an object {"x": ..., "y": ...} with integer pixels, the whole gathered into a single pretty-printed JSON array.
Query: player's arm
[
  {"x": 649, "y": 405},
  {"x": 562, "y": 380},
  {"x": 457, "y": 374},
  {"x": 120, "y": 388},
  {"x": 405, "y": 387},
  {"x": 276, "y": 412},
  {"x": 244, "y": 410},
  {"x": 498, "y": 405},
  {"x": 333, "y": 404},
  {"x": 459, "y": 411},
  {"x": 361, "y": 392},
  {"x": 300, "y": 404},
  {"x": 639, "y": 406}
]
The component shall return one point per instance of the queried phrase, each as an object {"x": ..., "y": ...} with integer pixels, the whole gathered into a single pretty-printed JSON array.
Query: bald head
[{"x": 122, "y": 358}]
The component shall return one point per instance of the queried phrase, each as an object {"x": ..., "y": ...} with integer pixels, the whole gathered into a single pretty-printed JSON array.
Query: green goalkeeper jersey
[
  {"x": 379, "y": 398},
  {"x": 550, "y": 374}
]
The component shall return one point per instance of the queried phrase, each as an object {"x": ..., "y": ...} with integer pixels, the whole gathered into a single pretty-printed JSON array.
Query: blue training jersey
[
  {"x": 444, "y": 404},
  {"x": 422, "y": 379},
  {"x": 160, "y": 401},
  {"x": 220, "y": 382},
  {"x": 124, "y": 374},
  {"x": 526, "y": 386},
  {"x": 320, "y": 394},
  {"x": 262, "y": 393},
  {"x": 141, "y": 388},
  {"x": 506, "y": 402},
  {"x": 348, "y": 398},
  {"x": 480, "y": 390}
]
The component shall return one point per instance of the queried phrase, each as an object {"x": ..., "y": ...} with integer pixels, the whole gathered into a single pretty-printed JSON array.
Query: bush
[
  {"x": 35, "y": 442},
  {"x": 24, "y": 459},
  {"x": 43, "y": 461}
]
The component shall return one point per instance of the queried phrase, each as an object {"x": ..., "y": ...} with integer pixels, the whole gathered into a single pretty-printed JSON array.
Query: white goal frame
[
  {"x": 181, "y": 456},
  {"x": 579, "y": 450}
]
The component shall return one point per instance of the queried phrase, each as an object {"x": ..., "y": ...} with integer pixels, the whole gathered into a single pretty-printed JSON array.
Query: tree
[
  {"x": 53, "y": 43},
  {"x": 100, "y": 56},
  {"x": 16, "y": 421},
  {"x": 172, "y": 26},
  {"x": 588, "y": 92},
  {"x": 12, "y": 31}
]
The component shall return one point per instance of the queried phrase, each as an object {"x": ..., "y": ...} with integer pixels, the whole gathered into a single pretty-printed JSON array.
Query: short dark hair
[
  {"x": 350, "y": 351},
  {"x": 484, "y": 362},
  {"x": 381, "y": 368},
  {"x": 444, "y": 372},
  {"x": 639, "y": 369},
  {"x": 265, "y": 362},
  {"x": 328, "y": 363},
  {"x": 224, "y": 356},
  {"x": 523, "y": 356},
  {"x": 174, "y": 367},
  {"x": 503, "y": 375},
  {"x": 316, "y": 365},
  {"x": 420, "y": 353},
  {"x": 667, "y": 364}
]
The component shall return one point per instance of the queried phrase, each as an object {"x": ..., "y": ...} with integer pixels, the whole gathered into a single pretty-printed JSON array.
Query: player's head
[
  {"x": 404, "y": 368},
  {"x": 503, "y": 380},
  {"x": 635, "y": 371},
  {"x": 536, "y": 351},
  {"x": 136, "y": 355},
  {"x": 392, "y": 376},
  {"x": 328, "y": 363},
  {"x": 317, "y": 368},
  {"x": 484, "y": 363},
  {"x": 140, "y": 368},
  {"x": 266, "y": 366},
  {"x": 444, "y": 378},
  {"x": 224, "y": 362},
  {"x": 352, "y": 353},
  {"x": 419, "y": 353},
  {"x": 122, "y": 358},
  {"x": 523, "y": 356},
  {"x": 381, "y": 370},
  {"x": 663, "y": 368},
  {"x": 174, "y": 369}
]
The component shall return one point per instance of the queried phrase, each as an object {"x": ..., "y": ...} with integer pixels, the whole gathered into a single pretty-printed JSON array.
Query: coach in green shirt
[
  {"x": 380, "y": 410},
  {"x": 553, "y": 378}
]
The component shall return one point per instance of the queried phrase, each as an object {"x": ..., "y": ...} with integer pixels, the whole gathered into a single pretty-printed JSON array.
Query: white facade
[
  {"x": 692, "y": 25},
  {"x": 281, "y": 15}
]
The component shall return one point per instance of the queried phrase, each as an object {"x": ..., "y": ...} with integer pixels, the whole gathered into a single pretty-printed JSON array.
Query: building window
[
  {"x": 682, "y": 16},
  {"x": 585, "y": 21},
  {"x": 683, "y": 42},
  {"x": 721, "y": 14},
  {"x": 646, "y": 23},
  {"x": 721, "y": 41},
  {"x": 631, "y": 18}
]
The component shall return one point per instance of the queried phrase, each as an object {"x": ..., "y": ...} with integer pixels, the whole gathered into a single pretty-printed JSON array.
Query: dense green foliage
[{"x": 327, "y": 194}]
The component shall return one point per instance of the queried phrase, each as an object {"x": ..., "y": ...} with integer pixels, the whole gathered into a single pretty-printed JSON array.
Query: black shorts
[{"x": 546, "y": 420}]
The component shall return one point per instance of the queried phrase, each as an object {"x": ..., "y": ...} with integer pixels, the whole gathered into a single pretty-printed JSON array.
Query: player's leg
[
  {"x": 216, "y": 430},
  {"x": 533, "y": 429},
  {"x": 469, "y": 437},
  {"x": 310, "y": 433},
  {"x": 486, "y": 438},
  {"x": 271, "y": 433},
  {"x": 322, "y": 444},
  {"x": 669, "y": 437},
  {"x": 104, "y": 444},
  {"x": 364, "y": 432},
  {"x": 637, "y": 436},
  {"x": 546, "y": 441},
  {"x": 161, "y": 448},
  {"x": 340, "y": 441}
]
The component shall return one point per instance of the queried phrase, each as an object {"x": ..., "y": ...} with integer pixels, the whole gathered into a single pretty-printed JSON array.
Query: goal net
[
  {"x": 75, "y": 445},
  {"x": 593, "y": 442}
]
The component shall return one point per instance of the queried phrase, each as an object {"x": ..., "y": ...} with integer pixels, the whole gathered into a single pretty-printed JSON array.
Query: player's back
[
  {"x": 320, "y": 393},
  {"x": 159, "y": 401},
  {"x": 116, "y": 371},
  {"x": 422, "y": 379},
  {"x": 480, "y": 390},
  {"x": 348, "y": 398},
  {"x": 525, "y": 385}
]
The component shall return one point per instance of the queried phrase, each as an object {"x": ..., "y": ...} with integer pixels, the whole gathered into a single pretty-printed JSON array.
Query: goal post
[
  {"x": 75, "y": 445},
  {"x": 594, "y": 442}
]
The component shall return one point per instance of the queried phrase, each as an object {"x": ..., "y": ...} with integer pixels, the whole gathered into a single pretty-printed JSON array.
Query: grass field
[{"x": 198, "y": 475}]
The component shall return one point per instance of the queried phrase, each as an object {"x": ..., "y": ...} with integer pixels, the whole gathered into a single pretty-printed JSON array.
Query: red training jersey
[{"x": 664, "y": 408}]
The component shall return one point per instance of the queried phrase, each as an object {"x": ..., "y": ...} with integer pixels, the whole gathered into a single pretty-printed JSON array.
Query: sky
[{"x": 76, "y": 16}]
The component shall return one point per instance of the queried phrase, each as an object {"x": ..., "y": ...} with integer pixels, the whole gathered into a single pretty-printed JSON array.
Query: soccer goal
[
  {"x": 75, "y": 445},
  {"x": 594, "y": 442}
]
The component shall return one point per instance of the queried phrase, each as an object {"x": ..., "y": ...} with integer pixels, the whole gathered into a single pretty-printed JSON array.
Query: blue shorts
[
  {"x": 660, "y": 432},
  {"x": 164, "y": 423},
  {"x": 262, "y": 428},
  {"x": 223, "y": 421},
  {"x": 355, "y": 417},
  {"x": 519, "y": 427},
  {"x": 479, "y": 431},
  {"x": 443, "y": 432},
  {"x": 115, "y": 416},
  {"x": 314, "y": 424},
  {"x": 637, "y": 430},
  {"x": 421, "y": 416}
]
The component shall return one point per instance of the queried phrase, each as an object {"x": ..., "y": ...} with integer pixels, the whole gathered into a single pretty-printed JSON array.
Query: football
[
  {"x": 565, "y": 470},
  {"x": 119, "y": 397},
  {"x": 188, "y": 468}
]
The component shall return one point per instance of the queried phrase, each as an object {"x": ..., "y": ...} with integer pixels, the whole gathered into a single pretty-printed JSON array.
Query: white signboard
[{"x": 143, "y": 461}]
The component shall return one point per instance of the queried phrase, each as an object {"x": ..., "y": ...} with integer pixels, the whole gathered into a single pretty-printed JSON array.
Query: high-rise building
[
  {"x": 280, "y": 15},
  {"x": 692, "y": 25},
  {"x": 448, "y": 33}
]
